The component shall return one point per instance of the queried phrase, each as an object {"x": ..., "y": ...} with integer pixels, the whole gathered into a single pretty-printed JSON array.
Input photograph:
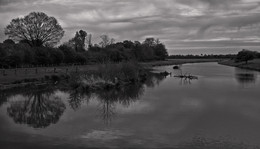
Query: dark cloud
[{"x": 178, "y": 23}]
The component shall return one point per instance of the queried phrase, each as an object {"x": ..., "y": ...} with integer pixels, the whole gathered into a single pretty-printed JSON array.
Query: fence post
[{"x": 36, "y": 70}]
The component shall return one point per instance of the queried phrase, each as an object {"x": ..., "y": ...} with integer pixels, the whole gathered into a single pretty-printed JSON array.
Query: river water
[{"x": 221, "y": 109}]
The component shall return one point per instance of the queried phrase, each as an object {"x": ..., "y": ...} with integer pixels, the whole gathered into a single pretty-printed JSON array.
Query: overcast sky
[{"x": 180, "y": 24}]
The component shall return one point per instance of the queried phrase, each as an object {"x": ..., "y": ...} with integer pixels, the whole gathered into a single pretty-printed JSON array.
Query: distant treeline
[
  {"x": 23, "y": 55},
  {"x": 205, "y": 56},
  {"x": 246, "y": 55}
]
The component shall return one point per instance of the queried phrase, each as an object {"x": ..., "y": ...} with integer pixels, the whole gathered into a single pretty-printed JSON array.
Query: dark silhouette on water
[
  {"x": 77, "y": 97},
  {"x": 245, "y": 77},
  {"x": 108, "y": 98},
  {"x": 37, "y": 110}
]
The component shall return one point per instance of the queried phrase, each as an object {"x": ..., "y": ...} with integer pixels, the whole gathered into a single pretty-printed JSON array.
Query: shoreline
[
  {"x": 177, "y": 62},
  {"x": 21, "y": 80},
  {"x": 251, "y": 65}
]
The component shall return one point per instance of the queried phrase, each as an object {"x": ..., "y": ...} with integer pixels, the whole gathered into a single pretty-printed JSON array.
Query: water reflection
[
  {"x": 37, "y": 109},
  {"x": 154, "y": 79},
  {"x": 245, "y": 77},
  {"x": 212, "y": 107},
  {"x": 124, "y": 96},
  {"x": 77, "y": 97},
  {"x": 208, "y": 143},
  {"x": 41, "y": 108}
]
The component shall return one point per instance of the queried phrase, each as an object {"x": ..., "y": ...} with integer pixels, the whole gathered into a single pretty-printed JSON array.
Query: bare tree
[
  {"x": 106, "y": 41},
  {"x": 36, "y": 29}
]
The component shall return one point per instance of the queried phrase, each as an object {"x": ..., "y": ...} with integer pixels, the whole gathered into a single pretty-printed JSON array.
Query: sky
[{"x": 182, "y": 25}]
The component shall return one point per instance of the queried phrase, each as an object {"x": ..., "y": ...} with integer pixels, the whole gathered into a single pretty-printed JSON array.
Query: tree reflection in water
[
  {"x": 38, "y": 109},
  {"x": 208, "y": 143},
  {"x": 245, "y": 77},
  {"x": 77, "y": 97},
  {"x": 123, "y": 95},
  {"x": 108, "y": 99},
  {"x": 154, "y": 79}
]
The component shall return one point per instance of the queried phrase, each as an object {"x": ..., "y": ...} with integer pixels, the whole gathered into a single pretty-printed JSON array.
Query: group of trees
[
  {"x": 36, "y": 34},
  {"x": 246, "y": 55},
  {"x": 22, "y": 54},
  {"x": 205, "y": 56},
  {"x": 127, "y": 50}
]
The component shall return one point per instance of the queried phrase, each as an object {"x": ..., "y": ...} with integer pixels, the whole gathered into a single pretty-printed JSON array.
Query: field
[
  {"x": 252, "y": 65},
  {"x": 177, "y": 62},
  {"x": 11, "y": 75}
]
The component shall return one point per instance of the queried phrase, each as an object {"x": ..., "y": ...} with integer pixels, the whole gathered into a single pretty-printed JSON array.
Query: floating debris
[
  {"x": 165, "y": 73},
  {"x": 191, "y": 77},
  {"x": 176, "y": 67}
]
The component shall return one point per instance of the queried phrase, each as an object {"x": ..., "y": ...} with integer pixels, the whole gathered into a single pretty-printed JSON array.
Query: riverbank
[
  {"x": 177, "y": 62},
  {"x": 20, "y": 77},
  {"x": 252, "y": 65}
]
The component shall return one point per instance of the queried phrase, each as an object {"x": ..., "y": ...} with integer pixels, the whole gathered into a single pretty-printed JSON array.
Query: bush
[
  {"x": 55, "y": 78},
  {"x": 245, "y": 55},
  {"x": 125, "y": 71}
]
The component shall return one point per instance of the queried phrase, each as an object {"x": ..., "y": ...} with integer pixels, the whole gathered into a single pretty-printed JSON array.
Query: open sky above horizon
[{"x": 179, "y": 24}]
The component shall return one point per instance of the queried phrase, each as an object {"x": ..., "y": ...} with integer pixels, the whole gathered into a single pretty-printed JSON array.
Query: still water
[{"x": 219, "y": 110}]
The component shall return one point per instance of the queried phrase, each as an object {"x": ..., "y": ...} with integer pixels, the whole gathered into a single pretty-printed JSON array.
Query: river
[{"x": 220, "y": 109}]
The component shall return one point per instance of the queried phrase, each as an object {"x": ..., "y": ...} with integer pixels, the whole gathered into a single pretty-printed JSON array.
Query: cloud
[{"x": 178, "y": 23}]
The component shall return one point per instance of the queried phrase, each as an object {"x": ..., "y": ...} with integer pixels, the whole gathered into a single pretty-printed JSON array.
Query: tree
[
  {"x": 69, "y": 53},
  {"x": 42, "y": 56},
  {"x": 106, "y": 41},
  {"x": 245, "y": 55},
  {"x": 160, "y": 51},
  {"x": 89, "y": 40},
  {"x": 37, "y": 29},
  {"x": 79, "y": 40},
  {"x": 56, "y": 55},
  {"x": 128, "y": 44},
  {"x": 9, "y": 41},
  {"x": 150, "y": 42},
  {"x": 37, "y": 109}
]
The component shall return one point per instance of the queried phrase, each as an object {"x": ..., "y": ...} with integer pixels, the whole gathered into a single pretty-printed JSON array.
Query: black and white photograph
[{"x": 137, "y": 74}]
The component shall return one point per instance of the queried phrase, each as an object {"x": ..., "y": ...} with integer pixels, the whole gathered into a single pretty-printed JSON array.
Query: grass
[
  {"x": 252, "y": 65},
  {"x": 177, "y": 62},
  {"x": 9, "y": 76},
  {"x": 107, "y": 76}
]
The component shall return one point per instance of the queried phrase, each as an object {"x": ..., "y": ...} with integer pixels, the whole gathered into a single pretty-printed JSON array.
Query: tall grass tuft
[
  {"x": 125, "y": 71},
  {"x": 108, "y": 75}
]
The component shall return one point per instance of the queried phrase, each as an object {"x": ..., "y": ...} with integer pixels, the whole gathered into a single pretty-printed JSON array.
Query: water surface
[{"x": 219, "y": 110}]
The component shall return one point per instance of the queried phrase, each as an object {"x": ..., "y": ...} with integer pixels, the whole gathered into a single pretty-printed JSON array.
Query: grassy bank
[
  {"x": 177, "y": 62},
  {"x": 23, "y": 76},
  {"x": 109, "y": 76},
  {"x": 252, "y": 65}
]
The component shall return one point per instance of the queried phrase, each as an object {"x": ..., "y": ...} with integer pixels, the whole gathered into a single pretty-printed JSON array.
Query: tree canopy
[
  {"x": 245, "y": 55},
  {"x": 37, "y": 29},
  {"x": 78, "y": 41}
]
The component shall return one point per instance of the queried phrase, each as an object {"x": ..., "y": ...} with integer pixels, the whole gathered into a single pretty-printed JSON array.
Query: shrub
[
  {"x": 125, "y": 71},
  {"x": 245, "y": 55}
]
